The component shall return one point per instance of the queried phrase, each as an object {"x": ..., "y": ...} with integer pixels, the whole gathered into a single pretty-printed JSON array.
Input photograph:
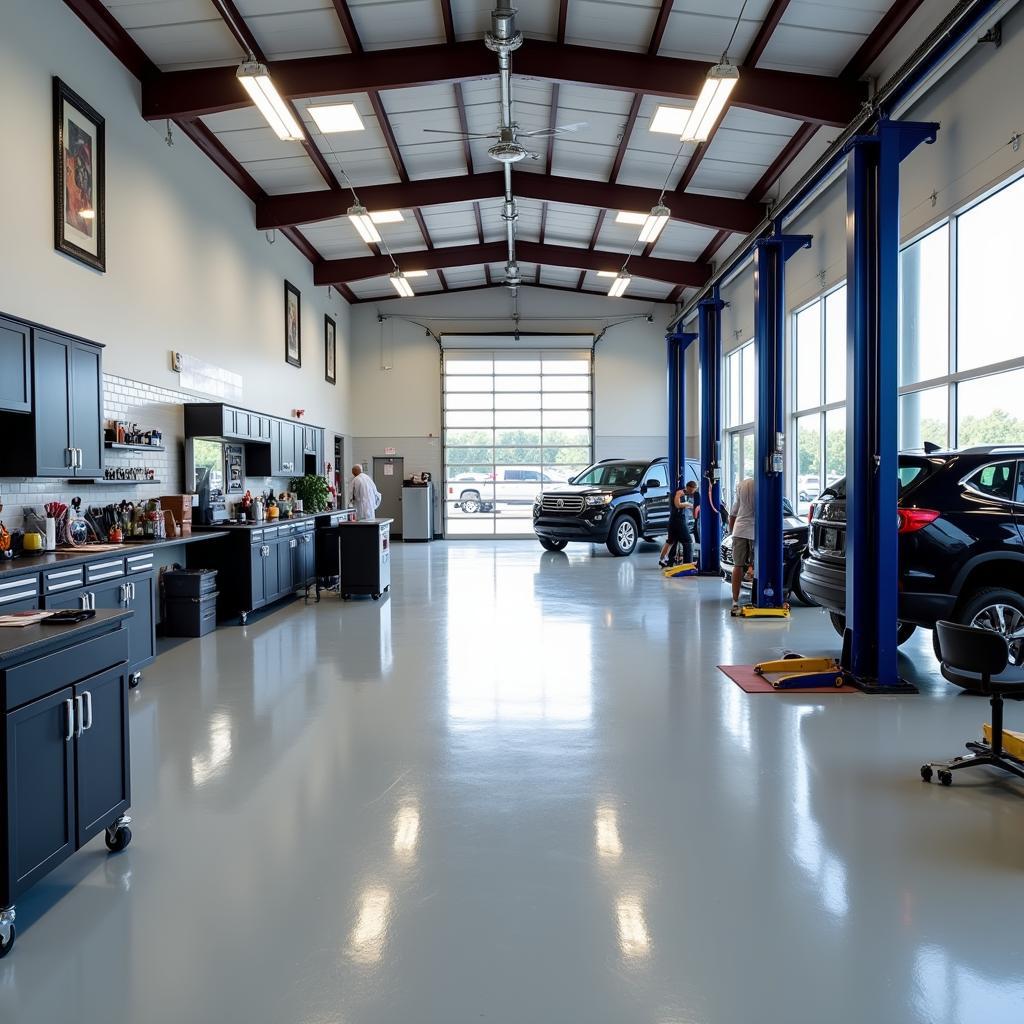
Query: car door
[
  {"x": 1018, "y": 500},
  {"x": 657, "y": 496}
]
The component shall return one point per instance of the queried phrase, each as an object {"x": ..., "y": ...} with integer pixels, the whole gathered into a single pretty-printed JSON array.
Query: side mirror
[{"x": 652, "y": 483}]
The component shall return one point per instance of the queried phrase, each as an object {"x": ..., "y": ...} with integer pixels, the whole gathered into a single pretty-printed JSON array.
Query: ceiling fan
[{"x": 508, "y": 149}]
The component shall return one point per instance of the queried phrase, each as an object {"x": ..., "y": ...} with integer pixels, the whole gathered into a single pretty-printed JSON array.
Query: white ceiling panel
[
  {"x": 426, "y": 154},
  {"x": 682, "y": 241},
  {"x": 621, "y": 24},
  {"x": 578, "y": 159},
  {"x": 570, "y": 225},
  {"x": 453, "y": 224},
  {"x": 564, "y": 276},
  {"x": 618, "y": 238},
  {"x": 387, "y": 24},
  {"x": 364, "y": 167},
  {"x": 177, "y": 33},
  {"x": 700, "y": 29},
  {"x": 290, "y": 174},
  {"x": 465, "y": 277},
  {"x": 812, "y": 49},
  {"x": 294, "y": 28}
]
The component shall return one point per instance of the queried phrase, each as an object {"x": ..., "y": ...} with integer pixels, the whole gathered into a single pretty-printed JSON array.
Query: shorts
[{"x": 742, "y": 552}]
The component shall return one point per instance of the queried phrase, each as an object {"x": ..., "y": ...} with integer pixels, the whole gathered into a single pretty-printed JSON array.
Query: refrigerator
[{"x": 418, "y": 512}]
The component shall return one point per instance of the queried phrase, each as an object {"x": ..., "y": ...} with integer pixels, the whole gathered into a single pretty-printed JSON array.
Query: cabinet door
[
  {"x": 40, "y": 790},
  {"x": 285, "y": 572},
  {"x": 271, "y": 572},
  {"x": 230, "y": 426},
  {"x": 258, "y": 593},
  {"x": 102, "y": 783},
  {"x": 67, "y": 599},
  {"x": 52, "y": 368},
  {"x": 142, "y": 625},
  {"x": 309, "y": 555},
  {"x": 15, "y": 367},
  {"x": 87, "y": 408}
]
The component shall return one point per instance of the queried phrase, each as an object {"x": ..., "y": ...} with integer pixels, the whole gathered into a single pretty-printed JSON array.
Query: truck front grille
[{"x": 572, "y": 505}]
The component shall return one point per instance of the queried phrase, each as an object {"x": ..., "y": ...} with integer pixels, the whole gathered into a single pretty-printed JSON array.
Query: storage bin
[
  {"x": 190, "y": 616},
  {"x": 189, "y": 582}
]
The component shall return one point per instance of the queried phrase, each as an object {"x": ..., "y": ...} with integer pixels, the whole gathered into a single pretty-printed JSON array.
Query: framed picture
[
  {"x": 79, "y": 216},
  {"x": 330, "y": 350},
  {"x": 292, "y": 325}
]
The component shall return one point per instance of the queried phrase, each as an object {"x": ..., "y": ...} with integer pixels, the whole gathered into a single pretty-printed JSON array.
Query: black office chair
[{"x": 968, "y": 649}]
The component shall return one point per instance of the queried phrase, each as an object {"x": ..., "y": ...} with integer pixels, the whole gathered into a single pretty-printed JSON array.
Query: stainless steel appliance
[{"x": 418, "y": 512}]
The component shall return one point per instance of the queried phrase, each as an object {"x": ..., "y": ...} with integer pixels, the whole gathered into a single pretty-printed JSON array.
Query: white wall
[
  {"x": 186, "y": 268},
  {"x": 396, "y": 367}
]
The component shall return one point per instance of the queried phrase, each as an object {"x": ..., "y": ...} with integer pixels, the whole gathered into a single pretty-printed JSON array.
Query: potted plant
[{"x": 312, "y": 490}]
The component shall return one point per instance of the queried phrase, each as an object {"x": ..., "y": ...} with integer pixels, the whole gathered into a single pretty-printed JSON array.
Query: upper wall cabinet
[
  {"x": 63, "y": 437},
  {"x": 15, "y": 366}
]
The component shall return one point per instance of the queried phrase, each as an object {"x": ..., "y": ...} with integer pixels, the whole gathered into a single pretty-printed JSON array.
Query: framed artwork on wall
[
  {"x": 292, "y": 325},
  {"x": 79, "y": 213},
  {"x": 330, "y": 350}
]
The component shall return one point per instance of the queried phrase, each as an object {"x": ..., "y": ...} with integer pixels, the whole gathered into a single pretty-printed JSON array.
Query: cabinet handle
[
  {"x": 92, "y": 600},
  {"x": 88, "y": 711},
  {"x": 81, "y": 457},
  {"x": 83, "y": 600},
  {"x": 69, "y": 707},
  {"x": 132, "y": 585},
  {"x": 78, "y": 708}
]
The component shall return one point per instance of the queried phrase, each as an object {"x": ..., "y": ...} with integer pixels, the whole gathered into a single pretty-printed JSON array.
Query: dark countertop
[
  {"x": 304, "y": 517},
  {"x": 28, "y": 564},
  {"x": 19, "y": 642}
]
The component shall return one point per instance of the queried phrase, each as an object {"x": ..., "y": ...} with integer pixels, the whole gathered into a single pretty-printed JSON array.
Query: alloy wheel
[
  {"x": 626, "y": 535},
  {"x": 1008, "y": 621}
]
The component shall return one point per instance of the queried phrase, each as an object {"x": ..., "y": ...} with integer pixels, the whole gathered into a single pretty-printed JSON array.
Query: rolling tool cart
[{"x": 365, "y": 557}]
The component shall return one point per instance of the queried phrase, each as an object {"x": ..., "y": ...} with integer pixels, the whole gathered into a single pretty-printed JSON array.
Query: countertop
[
  {"x": 26, "y": 565},
  {"x": 304, "y": 517},
  {"x": 18, "y": 642}
]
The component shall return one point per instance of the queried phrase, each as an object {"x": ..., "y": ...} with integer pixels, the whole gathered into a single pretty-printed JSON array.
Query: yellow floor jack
[
  {"x": 749, "y": 611},
  {"x": 683, "y": 569},
  {"x": 794, "y": 672}
]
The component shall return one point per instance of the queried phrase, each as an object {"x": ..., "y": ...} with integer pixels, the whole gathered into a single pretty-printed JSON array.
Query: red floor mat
[{"x": 749, "y": 681}]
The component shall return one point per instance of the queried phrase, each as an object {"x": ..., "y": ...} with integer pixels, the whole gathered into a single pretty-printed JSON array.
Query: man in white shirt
[
  {"x": 365, "y": 496},
  {"x": 741, "y": 526}
]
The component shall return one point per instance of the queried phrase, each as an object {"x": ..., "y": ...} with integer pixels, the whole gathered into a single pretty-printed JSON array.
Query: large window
[
  {"x": 961, "y": 373},
  {"x": 515, "y": 424},
  {"x": 819, "y": 397},
  {"x": 740, "y": 398}
]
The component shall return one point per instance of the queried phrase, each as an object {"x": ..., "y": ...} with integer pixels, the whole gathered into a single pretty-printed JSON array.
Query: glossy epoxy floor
[{"x": 517, "y": 790}]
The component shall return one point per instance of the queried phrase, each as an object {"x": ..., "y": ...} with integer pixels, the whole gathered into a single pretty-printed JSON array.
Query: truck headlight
[
  {"x": 597, "y": 499},
  {"x": 538, "y": 499}
]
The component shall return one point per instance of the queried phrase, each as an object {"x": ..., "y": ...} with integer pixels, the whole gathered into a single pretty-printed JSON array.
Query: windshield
[{"x": 612, "y": 474}]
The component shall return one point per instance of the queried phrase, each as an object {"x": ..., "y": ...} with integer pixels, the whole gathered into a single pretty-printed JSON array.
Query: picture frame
[
  {"x": 79, "y": 185},
  {"x": 292, "y": 325},
  {"x": 330, "y": 350}
]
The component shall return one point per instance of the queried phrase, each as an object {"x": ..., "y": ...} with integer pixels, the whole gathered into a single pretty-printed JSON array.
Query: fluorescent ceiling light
[
  {"x": 627, "y": 217},
  {"x": 415, "y": 273},
  {"x": 714, "y": 95},
  {"x": 339, "y": 117},
  {"x": 401, "y": 285},
  {"x": 256, "y": 80},
  {"x": 363, "y": 223},
  {"x": 387, "y": 217},
  {"x": 620, "y": 284},
  {"x": 654, "y": 222},
  {"x": 669, "y": 120},
  {"x": 607, "y": 273}
]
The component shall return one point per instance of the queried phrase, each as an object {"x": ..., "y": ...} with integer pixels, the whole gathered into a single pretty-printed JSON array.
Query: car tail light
[
  {"x": 810, "y": 514},
  {"x": 914, "y": 519},
  {"x": 451, "y": 490}
]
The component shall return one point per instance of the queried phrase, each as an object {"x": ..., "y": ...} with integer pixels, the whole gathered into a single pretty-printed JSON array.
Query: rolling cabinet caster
[
  {"x": 244, "y": 616},
  {"x": 7, "y": 931},
  {"x": 946, "y": 777},
  {"x": 134, "y": 679},
  {"x": 376, "y": 597},
  {"x": 926, "y": 772},
  {"x": 119, "y": 835}
]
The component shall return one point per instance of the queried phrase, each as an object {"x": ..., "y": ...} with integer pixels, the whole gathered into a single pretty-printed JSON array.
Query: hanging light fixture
[
  {"x": 714, "y": 95},
  {"x": 400, "y": 283},
  {"x": 363, "y": 223},
  {"x": 256, "y": 80},
  {"x": 620, "y": 284},
  {"x": 654, "y": 222}
]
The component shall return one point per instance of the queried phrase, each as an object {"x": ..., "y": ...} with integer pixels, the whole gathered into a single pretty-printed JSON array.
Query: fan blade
[
  {"x": 460, "y": 135},
  {"x": 555, "y": 131}
]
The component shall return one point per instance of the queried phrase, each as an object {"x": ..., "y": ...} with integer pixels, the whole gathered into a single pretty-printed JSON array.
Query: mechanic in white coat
[{"x": 365, "y": 496}]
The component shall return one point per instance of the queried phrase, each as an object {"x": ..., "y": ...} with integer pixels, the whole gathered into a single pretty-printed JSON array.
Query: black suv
[
  {"x": 961, "y": 543},
  {"x": 794, "y": 543},
  {"x": 615, "y": 502}
]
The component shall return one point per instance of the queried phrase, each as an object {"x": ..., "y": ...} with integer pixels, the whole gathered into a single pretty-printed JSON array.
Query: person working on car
[
  {"x": 741, "y": 526},
  {"x": 365, "y": 496},
  {"x": 680, "y": 527}
]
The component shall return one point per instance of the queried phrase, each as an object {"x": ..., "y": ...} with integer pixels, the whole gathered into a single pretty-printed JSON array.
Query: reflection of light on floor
[
  {"x": 606, "y": 833},
  {"x": 206, "y": 766},
  {"x": 386, "y": 653},
  {"x": 946, "y": 990},
  {"x": 736, "y": 714},
  {"x": 508, "y": 661},
  {"x": 809, "y": 847},
  {"x": 407, "y": 831},
  {"x": 634, "y": 939},
  {"x": 366, "y": 944}
]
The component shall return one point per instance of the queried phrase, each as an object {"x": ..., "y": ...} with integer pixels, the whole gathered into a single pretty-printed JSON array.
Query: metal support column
[
  {"x": 872, "y": 321},
  {"x": 677, "y": 346},
  {"x": 770, "y": 256},
  {"x": 709, "y": 328}
]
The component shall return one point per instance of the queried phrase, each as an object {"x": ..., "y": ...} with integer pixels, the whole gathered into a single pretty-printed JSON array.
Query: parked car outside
[
  {"x": 808, "y": 488},
  {"x": 961, "y": 543},
  {"x": 513, "y": 485},
  {"x": 794, "y": 544},
  {"x": 614, "y": 502}
]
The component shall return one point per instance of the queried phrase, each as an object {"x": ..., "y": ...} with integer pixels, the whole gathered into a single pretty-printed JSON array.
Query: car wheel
[
  {"x": 552, "y": 545},
  {"x": 1000, "y": 610},
  {"x": 838, "y": 621},
  {"x": 904, "y": 630},
  {"x": 470, "y": 502},
  {"x": 623, "y": 536}
]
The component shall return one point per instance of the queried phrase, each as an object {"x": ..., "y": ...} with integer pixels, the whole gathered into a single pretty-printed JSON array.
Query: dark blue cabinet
[{"x": 15, "y": 366}]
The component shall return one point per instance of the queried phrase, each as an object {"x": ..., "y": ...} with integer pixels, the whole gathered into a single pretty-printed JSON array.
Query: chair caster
[
  {"x": 946, "y": 777},
  {"x": 244, "y": 616},
  {"x": 926, "y": 772}
]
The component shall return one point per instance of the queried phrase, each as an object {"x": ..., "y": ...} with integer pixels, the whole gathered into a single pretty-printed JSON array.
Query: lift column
[
  {"x": 770, "y": 256},
  {"x": 872, "y": 336},
  {"x": 677, "y": 346},
  {"x": 709, "y": 328}
]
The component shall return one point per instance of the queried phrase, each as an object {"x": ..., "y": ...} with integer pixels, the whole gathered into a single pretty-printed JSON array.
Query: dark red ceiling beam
[
  {"x": 709, "y": 211},
  {"x": 348, "y": 26},
  {"x": 563, "y": 17},
  {"x": 659, "y": 27},
  {"x": 207, "y": 90},
  {"x": 627, "y": 131},
  {"x": 481, "y": 287},
  {"x": 446, "y": 17},
  {"x": 764, "y": 33},
  {"x": 460, "y": 106},
  {"x": 594, "y": 235},
  {"x": 362, "y": 267},
  {"x": 113, "y": 36},
  {"x": 881, "y": 36}
]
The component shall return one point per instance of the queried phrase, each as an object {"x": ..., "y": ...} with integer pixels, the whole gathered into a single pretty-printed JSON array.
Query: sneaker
[
  {"x": 735, "y": 610},
  {"x": 663, "y": 563}
]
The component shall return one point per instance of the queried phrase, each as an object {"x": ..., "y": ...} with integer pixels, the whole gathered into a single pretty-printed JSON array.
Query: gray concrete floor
[{"x": 517, "y": 790}]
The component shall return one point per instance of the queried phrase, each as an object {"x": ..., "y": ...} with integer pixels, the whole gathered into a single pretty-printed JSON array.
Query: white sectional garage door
[{"x": 516, "y": 422}]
